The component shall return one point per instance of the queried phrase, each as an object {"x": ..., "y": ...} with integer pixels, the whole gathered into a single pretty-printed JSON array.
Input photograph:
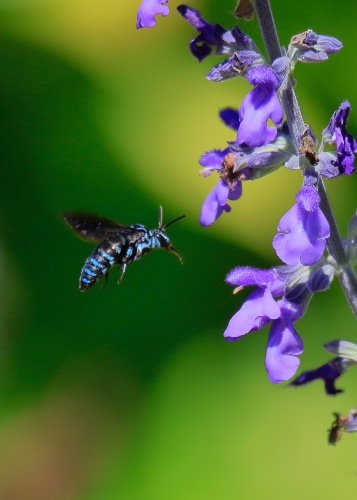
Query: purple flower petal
[
  {"x": 346, "y": 145},
  {"x": 242, "y": 40},
  {"x": 312, "y": 56},
  {"x": 258, "y": 309},
  {"x": 216, "y": 202},
  {"x": 200, "y": 46},
  {"x": 214, "y": 36},
  {"x": 224, "y": 70},
  {"x": 212, "y": 207},
  {"x": 262, "y": 75},
  {"x": 148, "y": 10},
  {"x": 328, "y": 372},
  {"x": 293, "y": 163},
  {"x": 303, "y": 230},
  {"x": 260, "y": 105},
  {"x": 230, "y": 117},
  {"x": 213, "y": 159},
  {"x": 321, "y": 278},
  {"x": 351, "y": 424},
  {"x": 253, "y": 276},
  {"x": 328, "y": 165},
  {"x": 236, "y": 192},
  {"x": 284, "y": 345},
  {"x": 281, "y": 66}
]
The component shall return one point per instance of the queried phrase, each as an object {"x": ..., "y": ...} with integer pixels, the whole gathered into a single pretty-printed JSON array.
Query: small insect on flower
[
  {"x": 335, "y": 432},
  {"x": 341, "y": 423},
  {"x": 119, "y": 244}
]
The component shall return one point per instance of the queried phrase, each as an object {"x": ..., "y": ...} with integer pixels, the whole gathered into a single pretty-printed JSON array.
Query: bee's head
[
  {"x": 165, "y": 243},
  {"x": 162, "y": 236}
]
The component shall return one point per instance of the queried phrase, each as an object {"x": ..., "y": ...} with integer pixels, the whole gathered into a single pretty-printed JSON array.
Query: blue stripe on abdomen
[
  {"x": 89, "y": 271},
  {"x": 106, "y": 255},
  {"x": 95, "y": 263}
]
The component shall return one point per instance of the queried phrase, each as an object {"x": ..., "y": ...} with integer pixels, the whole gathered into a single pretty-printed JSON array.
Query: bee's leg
[
  {"x": 106, "y": 278},
  {"x": 123, "y": 268}
]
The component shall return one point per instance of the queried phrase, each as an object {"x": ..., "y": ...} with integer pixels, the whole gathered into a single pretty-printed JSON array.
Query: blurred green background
[{"x": 130, "y": 392}]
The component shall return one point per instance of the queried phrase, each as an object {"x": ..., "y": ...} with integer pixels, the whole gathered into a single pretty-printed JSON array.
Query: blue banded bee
[{"x": 119, "y": 244}]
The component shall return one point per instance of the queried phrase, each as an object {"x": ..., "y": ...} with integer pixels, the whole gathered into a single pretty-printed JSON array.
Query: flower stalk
[{"x": 346, "y": 274}]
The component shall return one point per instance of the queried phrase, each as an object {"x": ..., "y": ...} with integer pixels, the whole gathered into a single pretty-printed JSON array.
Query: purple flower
[
  {"x": 351, "y": 422},
  {"x": 214, "y": 36},
  {"x": 281, "y": 298},
  {"x": 216, "y": 202},
  {"x": 322, "y": 43},
  {"x": 311, "y": 47},
  {"x": 200, "y": 46},
  {"x": 329, "y": 373},
  {"x": 303, "y": 230},
  {"x": 237, "y": 163},
  {"x": 147, "y": 12},
  {"x": 336, "y": 132},
  {"x": 260, "y": 105},
  {"x": 229, "y": 187},
  {"x": 236, "y": 65},
  {"x": 260, "y": 308}
]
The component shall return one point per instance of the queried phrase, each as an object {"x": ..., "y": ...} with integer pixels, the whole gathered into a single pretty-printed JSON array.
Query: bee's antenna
[
  {"x": 160, "y": 226},
  {"x": 172, "y": 221},
  {"x": 160, "y": 216}
]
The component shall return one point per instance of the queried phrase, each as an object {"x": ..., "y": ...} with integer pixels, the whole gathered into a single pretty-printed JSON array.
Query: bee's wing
[{"x": 92, "y": 227}]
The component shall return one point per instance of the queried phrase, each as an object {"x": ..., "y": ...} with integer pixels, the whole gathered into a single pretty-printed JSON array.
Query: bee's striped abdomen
[{"x": 100, "y": 261}]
